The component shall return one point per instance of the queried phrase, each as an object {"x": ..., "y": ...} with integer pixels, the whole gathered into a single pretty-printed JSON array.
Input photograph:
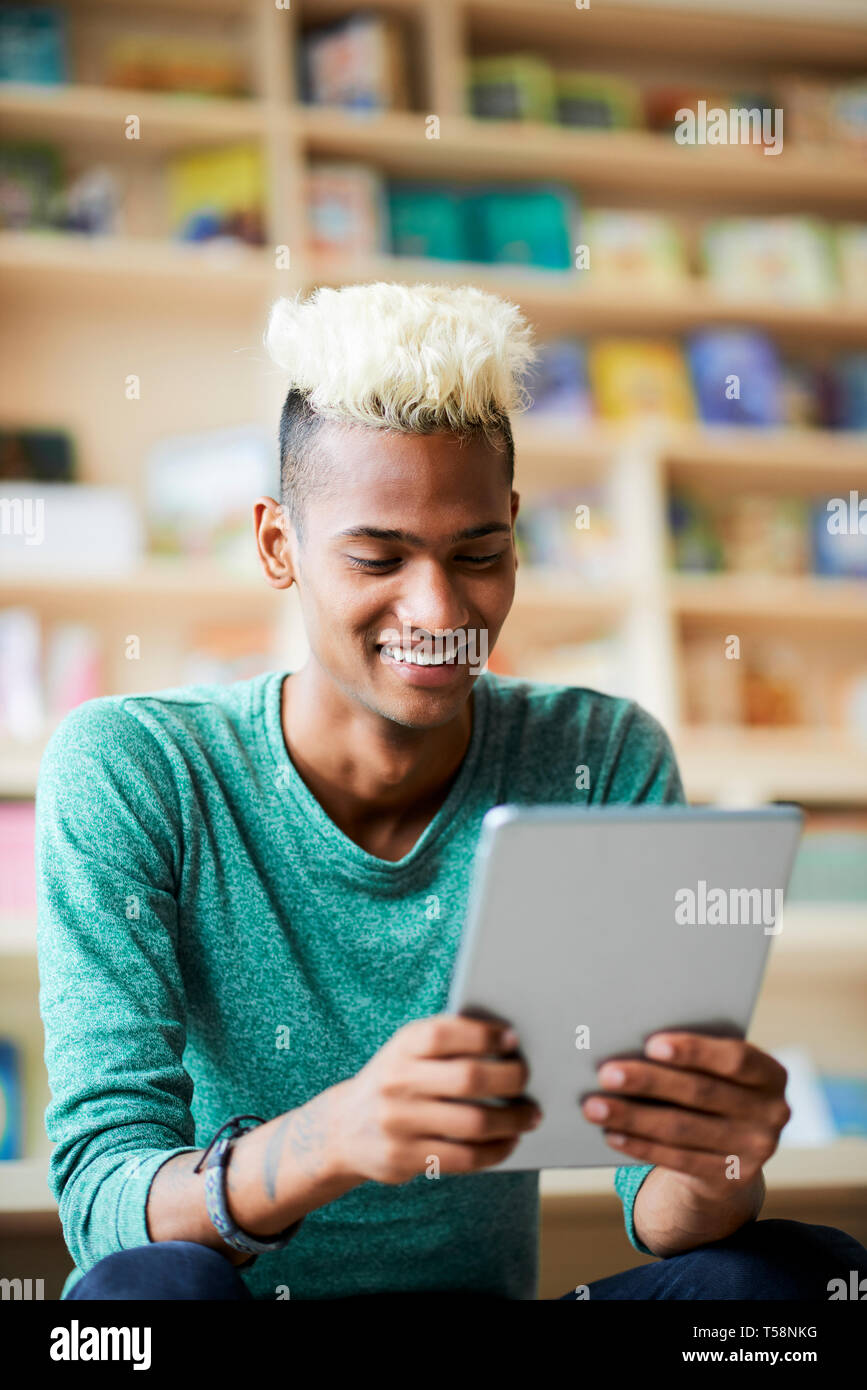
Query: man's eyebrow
[{"x": 380, "y": 533}]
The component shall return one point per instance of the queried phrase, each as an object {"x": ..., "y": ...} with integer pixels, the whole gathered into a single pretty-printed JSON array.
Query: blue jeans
[{"x": 763, "y": 1260}]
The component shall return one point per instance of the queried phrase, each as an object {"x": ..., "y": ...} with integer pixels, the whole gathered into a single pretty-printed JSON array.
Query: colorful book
[
  {"x": 516, "y": 87},
  {"x": 790, "y": 259},
  {"x": 558, "y": 382},
  {"x": 357, "y": 63},
  {"x": 522, "y": 226},
  {"x": 426, "y": 220},
  {"x": 347, "y": 209},
  {"x": 634, "y": 248},
  {"x": 635, "y": 378},
  {"x": 33, "y": 44},
  {"x": 43, "y": 455},
  {"x": 851, "y": 245},
  {"x": 736, "y": 377},
  {"x": 218, "y": 194},
  {"x": 595, "y": 101},
  {"x": 11, "y": 1101},
  {"x": 31, "y": 179}
]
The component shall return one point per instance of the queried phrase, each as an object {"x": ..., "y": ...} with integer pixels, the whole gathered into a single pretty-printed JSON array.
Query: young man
[{"x": 251, "y": 895}]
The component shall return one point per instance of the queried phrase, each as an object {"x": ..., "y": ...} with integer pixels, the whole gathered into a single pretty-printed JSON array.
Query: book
[
  {"x": 512, "y": 87},
  {"x": 534, "y": 226},
  {"x": 634, "y": 248},
  {"x": 851, "y": 247},
  {"x": 764, "y": 534},
  {"x": 357, "y": 62},
  {"x": 849, "y": 378},
  {"x": 783, "y": 258},
  {"x": 347, "y": 208},
  {"x": 694, "y": 542},
  {"x": 31, "y": 177},
  {"x": 426, "y": 220},
  {"x": 195, "y": 67},
  {"x": 839, "y": 544},
  {"x": 199, "y": 491},
  {"x": 596, "y": 101},
  {"x": 736, "y": 377},
  {"x": 218, "y": 193},
  {"x": 11, "y": 1101},
  {"x": 41, "y": 455},
  {"x": 635, "y": 378},
  {"x": 558, "y": 382},
  {"x": 33, "y": 44},
  {"x": 571, "y": 530}
]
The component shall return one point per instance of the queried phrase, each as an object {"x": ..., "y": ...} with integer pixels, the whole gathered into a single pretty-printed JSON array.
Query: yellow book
[
  {"x": 218, "y": 192},
  {"x": 634, "y": 378}
]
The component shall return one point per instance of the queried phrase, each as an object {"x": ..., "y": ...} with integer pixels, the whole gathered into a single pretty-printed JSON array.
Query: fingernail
[
  {"x": 595, "y": 1108},
  {"x": 509, "y": 1039},
  {"x": 612, "y": 1076},
  {"x": 660, "y": 1049},
  {"x": 618, "y": 1140}
]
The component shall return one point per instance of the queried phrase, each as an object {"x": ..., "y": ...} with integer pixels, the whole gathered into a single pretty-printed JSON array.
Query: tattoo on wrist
[{"x": 305, "y": 1132}]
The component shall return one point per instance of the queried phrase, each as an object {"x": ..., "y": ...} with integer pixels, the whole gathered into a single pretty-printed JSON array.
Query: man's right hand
[{"x": 415, "y": 1098}]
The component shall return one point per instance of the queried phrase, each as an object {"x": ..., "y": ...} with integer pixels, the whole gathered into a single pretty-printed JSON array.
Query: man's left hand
[{"x": 722, "y": 1100}]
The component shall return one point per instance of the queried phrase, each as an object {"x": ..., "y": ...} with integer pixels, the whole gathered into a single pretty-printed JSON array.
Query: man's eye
[
  {"x": 359, "y": 564},
  {"x": 373, "y": 565}
]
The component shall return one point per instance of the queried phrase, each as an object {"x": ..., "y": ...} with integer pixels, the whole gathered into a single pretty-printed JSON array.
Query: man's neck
[{"x": 367, "y": 771}]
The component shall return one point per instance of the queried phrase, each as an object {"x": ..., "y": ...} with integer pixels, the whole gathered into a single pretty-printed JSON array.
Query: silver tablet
[{"x": 590, "y": 929}]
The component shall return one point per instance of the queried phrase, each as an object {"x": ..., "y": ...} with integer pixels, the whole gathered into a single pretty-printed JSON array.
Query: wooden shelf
[
  {"x": 51, "y": 261},
  {"x": 799, "y": 32},
  {"x": 776, "y": 598},
  {"x": 804, "y": 765},
  {"x": 557, "y": 301},
  {"x": 835, "y": 1166},
  {"x": 557, "y": 453},
  {"x": 644, "y": 162},
  {"x": 186, "y": 583},
  {"x": 838, "y": 1166},
  {"x": 76, "y": 113}
]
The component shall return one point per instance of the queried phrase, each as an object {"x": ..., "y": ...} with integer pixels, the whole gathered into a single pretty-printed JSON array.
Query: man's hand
[
  {"x": 414, "y": 1098},
  {"x": 718, "y": 1111}
]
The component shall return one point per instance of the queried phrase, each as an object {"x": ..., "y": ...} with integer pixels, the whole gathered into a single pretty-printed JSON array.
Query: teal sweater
[{"x": 196, "y": 901}]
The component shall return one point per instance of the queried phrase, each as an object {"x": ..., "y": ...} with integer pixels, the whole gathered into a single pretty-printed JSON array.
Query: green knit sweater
[{"x": 199, "y": 910}]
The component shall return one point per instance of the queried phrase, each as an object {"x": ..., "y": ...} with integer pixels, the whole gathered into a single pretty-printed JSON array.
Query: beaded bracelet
[{"x": 217, "y": 1155}]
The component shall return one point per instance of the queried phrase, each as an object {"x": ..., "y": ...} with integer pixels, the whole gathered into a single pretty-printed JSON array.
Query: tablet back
[{"x": 590, "y": 929}]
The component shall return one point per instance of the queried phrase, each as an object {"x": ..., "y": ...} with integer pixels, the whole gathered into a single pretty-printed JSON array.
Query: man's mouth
[{"x": 436, "y": 652}]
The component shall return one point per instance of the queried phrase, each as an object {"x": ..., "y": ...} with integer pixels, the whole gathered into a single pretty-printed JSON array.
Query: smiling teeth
[{"x": 421, "y": 658}]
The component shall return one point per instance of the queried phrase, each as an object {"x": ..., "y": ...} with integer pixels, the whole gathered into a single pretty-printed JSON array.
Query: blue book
[
  {"x": 558, "y": 382},
  {"x": 11, "y": 1123},
  {"x": 33, "y": 44},
  {"x": 515, "y": 225},
  {"x": 426, "y": 220},
  {"x": 847, "y": 1097},
  {"x": 737, "y": 378}
]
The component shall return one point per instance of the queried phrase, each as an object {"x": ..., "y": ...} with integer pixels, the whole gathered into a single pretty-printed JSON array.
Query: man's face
[{"x": 436, "y": 588}]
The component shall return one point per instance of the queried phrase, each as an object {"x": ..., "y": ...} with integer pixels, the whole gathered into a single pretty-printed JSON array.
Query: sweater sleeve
[
  {"x": 644, "y": 770},
  {"x": 108, "y": 858}
]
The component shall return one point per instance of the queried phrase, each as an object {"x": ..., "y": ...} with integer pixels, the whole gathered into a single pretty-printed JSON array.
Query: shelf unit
[{"x": 190, "y": 320}]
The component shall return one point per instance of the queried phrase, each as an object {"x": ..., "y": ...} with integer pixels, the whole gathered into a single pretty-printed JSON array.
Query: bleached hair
[{"x": 413, "y": 358}]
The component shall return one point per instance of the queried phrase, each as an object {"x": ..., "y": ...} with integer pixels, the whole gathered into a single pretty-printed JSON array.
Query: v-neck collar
[{"x": 292, "y": 784}]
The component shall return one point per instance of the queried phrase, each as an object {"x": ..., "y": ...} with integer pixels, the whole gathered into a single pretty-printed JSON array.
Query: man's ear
[{"x": 274, "y": 531}]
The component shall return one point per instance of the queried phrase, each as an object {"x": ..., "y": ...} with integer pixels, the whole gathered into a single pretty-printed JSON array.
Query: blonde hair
[{"x": 414, "y": 358}]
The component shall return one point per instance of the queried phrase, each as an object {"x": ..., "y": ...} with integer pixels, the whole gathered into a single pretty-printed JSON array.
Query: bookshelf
[{"x": 82, "y": 311}]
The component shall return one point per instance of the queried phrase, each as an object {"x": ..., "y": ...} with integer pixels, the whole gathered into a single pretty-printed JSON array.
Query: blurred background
[{"x": 693, "y": 473}]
